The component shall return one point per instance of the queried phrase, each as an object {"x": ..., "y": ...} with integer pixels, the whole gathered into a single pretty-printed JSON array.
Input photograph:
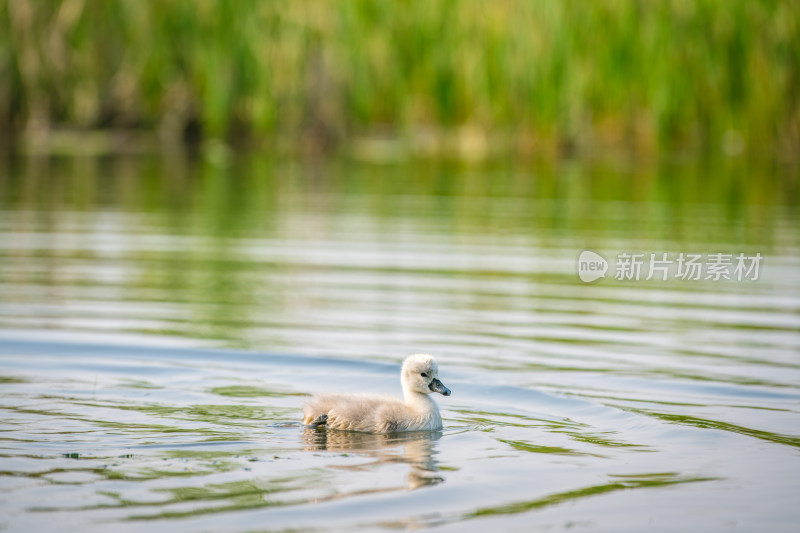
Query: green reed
[{"x": 526, "y": 74}]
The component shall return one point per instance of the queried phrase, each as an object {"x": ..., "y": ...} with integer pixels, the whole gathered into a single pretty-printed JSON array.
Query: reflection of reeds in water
[{"x": 416, "y": 449}]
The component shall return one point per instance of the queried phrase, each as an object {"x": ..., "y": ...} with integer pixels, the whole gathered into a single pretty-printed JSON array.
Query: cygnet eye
[{"x": 424, "y": 375}]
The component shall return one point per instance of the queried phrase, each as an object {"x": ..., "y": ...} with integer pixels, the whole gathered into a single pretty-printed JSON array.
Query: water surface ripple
[{"x": 158, "y": 336}]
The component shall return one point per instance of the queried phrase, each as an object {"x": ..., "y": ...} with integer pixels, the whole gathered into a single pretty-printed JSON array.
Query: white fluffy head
[{"x": 421, "y": 374}]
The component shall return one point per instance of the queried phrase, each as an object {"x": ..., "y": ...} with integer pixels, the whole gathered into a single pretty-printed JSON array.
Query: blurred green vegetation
[{"x": 441, "y": 74}]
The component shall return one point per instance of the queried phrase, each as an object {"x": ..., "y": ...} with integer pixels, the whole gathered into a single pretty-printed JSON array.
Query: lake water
[{"x": 162, "y": 322}]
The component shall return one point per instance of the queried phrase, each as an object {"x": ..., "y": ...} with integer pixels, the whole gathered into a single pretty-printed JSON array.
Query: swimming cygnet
[{"x": 384, "y": 414}]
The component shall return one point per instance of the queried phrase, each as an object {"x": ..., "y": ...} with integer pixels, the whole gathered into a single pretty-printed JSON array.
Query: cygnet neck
[{"x": 418, "y": 399}]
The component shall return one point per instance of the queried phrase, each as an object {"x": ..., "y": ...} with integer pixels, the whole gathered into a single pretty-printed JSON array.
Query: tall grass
[{"x": 647, "y": 74}]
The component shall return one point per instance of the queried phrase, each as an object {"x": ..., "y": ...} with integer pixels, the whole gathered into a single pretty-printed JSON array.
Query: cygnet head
[{"x": 421, "y": 374}]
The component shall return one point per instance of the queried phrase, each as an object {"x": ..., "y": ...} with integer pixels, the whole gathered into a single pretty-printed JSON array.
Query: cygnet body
[{"x": 385, "y": 414}]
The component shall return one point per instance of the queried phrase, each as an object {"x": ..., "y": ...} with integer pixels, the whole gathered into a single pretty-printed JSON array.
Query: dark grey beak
[{"x": 438, "y": 386}]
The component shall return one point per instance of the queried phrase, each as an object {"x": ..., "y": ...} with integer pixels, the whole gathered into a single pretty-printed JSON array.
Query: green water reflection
[
  {"x": 591, "y": 390},
  {"x": 620, "y": 483},
  {"x": 222, "y": 252}
]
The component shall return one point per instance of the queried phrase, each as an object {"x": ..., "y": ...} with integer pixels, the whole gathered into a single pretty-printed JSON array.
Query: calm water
[{"x": 161, "y": 323}]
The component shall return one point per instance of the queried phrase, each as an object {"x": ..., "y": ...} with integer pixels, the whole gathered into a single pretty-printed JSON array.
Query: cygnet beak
[{"x": 438, "y": 386}]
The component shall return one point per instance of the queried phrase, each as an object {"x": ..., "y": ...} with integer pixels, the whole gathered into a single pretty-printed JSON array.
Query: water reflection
[
  {"x": 415, "y": 449},
  {"x": 562, "y": 385},
  {"x": 613, "y": 484}
]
